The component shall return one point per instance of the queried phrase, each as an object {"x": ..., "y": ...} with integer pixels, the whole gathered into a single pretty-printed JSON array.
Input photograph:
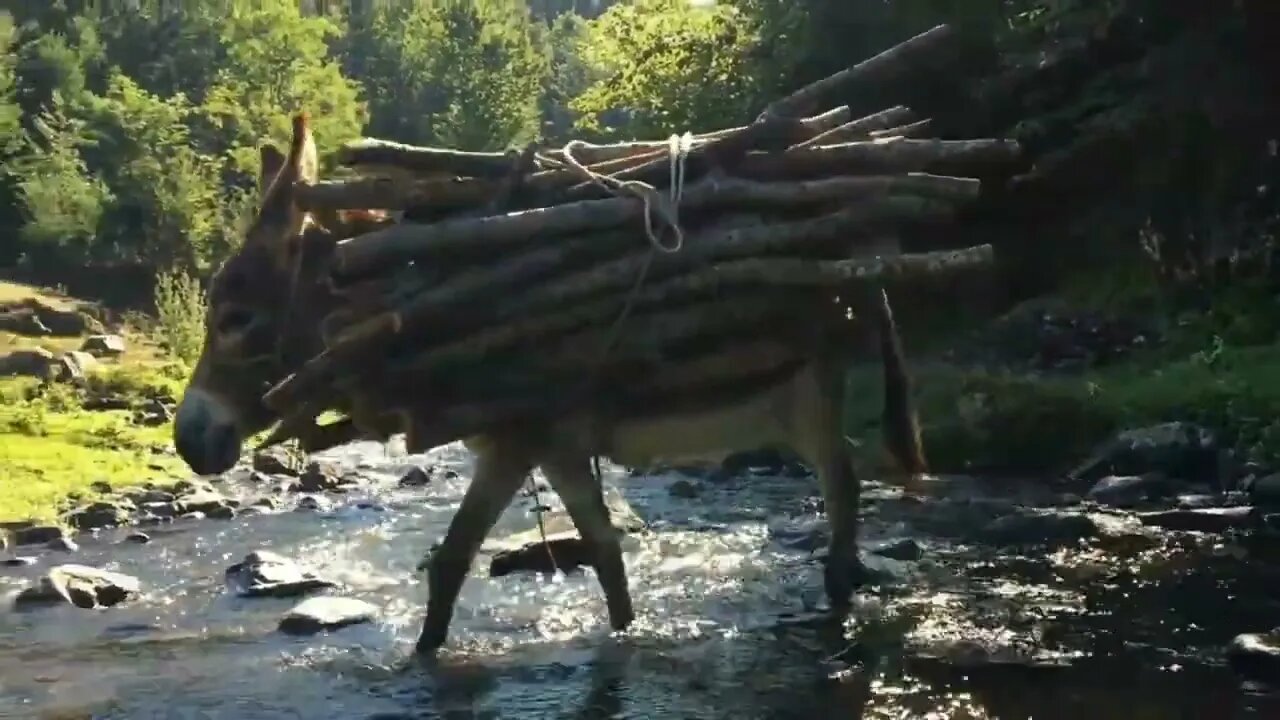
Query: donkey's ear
[
  {"x": 272, "y": 161},
  {"x": 280, "y": 217}
]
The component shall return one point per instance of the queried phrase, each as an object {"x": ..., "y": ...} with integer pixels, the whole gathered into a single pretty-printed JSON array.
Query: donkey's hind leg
[
  {"x": 570, "y": 475},
  {"x": 818, "y": 436}
]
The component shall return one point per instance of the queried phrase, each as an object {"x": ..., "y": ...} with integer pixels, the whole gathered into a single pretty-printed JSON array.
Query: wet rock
[
  {"x": 263, "y": 573},
  {"x": 1039, "y": 528},
  {"x": 416, "y": 476},
  {"x": 901, "y": 549},
  {"x": 1265, "y": 490},
  {"x": 1179, "y": 450},
  {"x": 37, "y": 534},
  {"x": 684, "y": 489},
  {"x": 527, "y": 551},
  {"x": 765, "y": 461},
  {"x": 266, "y": 502},
  {"x": 193, "y": 515},
  {"x": 1213, "y": 520},
  {"x": 62, "y": 544},
  {"x": 101, "y": 515},
  {"x": 221, "y": 512},
  {"x": 275, "y": 461},
  {"x": 160, "y": 510},
  {"x": 565, "y": 554},
  {"x": 319, "y": 478},
  {"x": 104, "y": 346},
  {"x": 143, "y": 497},
  {"x": 1256, "y": 656},
  {"x": 17, "y": 561},
  {"x": 1129, "y": 490},
  {"x": 1196, "y": 501},
  {"x": 313, "y": 503},
  {"x": 210, "y": 503},
  {"x": 80, "y": 585},
  {"x": 33, "y": 362},
  {"x": 192, "y": 487},
  {"x": 137, "y": 537},
  {"x": 327, "y": 612}
]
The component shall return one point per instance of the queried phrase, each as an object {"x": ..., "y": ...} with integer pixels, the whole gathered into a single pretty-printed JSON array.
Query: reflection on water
[{"x": 726, "y": 627}]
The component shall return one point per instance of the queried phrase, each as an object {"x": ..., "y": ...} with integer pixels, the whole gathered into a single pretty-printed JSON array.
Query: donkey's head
[{"x": 264, "y": 309}]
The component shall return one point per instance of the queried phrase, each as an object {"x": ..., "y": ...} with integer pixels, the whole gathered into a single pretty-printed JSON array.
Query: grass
[
  {"x": 51, "y": 447},
  {"x": 1217, "y": 368}
]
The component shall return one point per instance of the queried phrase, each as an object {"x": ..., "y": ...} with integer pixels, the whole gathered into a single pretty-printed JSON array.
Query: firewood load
[{"x": 622, "y": 279}]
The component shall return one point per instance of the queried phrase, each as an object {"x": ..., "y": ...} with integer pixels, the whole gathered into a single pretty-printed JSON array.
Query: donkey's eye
[{"x": 234, "y": 320}]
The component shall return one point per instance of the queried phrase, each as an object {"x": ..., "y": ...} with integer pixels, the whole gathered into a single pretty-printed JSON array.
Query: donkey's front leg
[{"x": 500, "y": 468}]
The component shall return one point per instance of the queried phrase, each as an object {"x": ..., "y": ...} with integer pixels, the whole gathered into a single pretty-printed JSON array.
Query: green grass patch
[
  {"x": 980, "y": 421},
  {"x": 50, "y": 447}
]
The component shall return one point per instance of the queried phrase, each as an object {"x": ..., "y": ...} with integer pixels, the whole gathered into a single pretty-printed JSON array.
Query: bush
[{"x": 180, "y": 311}]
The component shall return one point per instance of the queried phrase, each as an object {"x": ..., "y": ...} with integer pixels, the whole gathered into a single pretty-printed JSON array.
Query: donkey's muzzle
[{"x": 206, "y": 440}]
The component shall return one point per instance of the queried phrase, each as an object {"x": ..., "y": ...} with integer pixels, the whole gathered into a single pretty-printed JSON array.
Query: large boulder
[
  {"x": 263, "y": 573},
  {"x": 1178, "y": 450},
  {"x": 49, "y": 320},
  {"x": 31, "y": 362},
  {"x": 326, "y": 612},
  {"x": 104, "y": 345},
  {"x": 80, "y": 585}
]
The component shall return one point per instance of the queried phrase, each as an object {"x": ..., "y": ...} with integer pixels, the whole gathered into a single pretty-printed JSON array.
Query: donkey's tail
[{"x": 899, "y": 423}]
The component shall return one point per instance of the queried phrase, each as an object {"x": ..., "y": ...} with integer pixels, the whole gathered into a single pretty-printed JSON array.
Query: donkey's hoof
[
  {"x": 621, "y": 618},
  {"x": 841, "y": 579}
]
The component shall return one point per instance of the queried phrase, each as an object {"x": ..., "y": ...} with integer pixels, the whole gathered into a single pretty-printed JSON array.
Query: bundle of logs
[{"x": 620, "y": 279}]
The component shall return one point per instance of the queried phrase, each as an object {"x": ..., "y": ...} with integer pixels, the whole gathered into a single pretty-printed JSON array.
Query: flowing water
[{"x": 726, "y": 584}]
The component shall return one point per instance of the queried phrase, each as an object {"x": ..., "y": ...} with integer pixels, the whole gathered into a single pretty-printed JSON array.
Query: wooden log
[
  {"x": 410, "y": 241},
  {"x": 878, "y": 68},
  {"x": 374, "y": 153},
  {"x": 373, "y": 335},
  {"x": 888, "y": 155},
  {"x": 760, "y": 275},
  {"x": 591, "y": 154},
  {"x": 434, "y": 161},
  {"x": 394, "y": 193},
  {"x": 460, "y": 300},
  {"x": 862, "y": 127},
  {"x": 824, "y": 236},
  {"x": 919, "y": 128}
]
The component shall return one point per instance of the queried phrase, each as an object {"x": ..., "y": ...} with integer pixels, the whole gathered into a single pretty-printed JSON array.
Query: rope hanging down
[{"x": 668, "y": 211}]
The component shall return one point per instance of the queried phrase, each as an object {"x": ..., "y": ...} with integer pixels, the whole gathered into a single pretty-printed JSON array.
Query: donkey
[{"x": 265, "y": 306}]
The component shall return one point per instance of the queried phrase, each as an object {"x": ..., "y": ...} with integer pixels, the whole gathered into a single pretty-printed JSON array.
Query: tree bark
[
  {"x": 413, "y": 241},
  {"x": 884, "y": 156},
  {"x": 769, "y": 281},
  {"x": 862, "y": 127}
]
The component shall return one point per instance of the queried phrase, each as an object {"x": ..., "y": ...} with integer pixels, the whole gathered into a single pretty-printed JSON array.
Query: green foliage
[
  {"x": 277, "y": 63},
  {"x": 667, "y": 66},
  {"x": 180, "y": 313},
  {"x": 467, "y": 75},
  {"x": 10, "y": 113},
  {"x": 63, "y": 203},
  {"x": 166, "y": 194}
]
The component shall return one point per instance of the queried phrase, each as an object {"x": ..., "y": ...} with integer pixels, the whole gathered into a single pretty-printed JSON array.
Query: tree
[
  {"x": 277, "y": 63},
  {"x": 668, "y": 66},
  {"x": 166, "y": 193},
  {"x": 63, "y": 204},
  {"x": 468, "y": 75}
]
